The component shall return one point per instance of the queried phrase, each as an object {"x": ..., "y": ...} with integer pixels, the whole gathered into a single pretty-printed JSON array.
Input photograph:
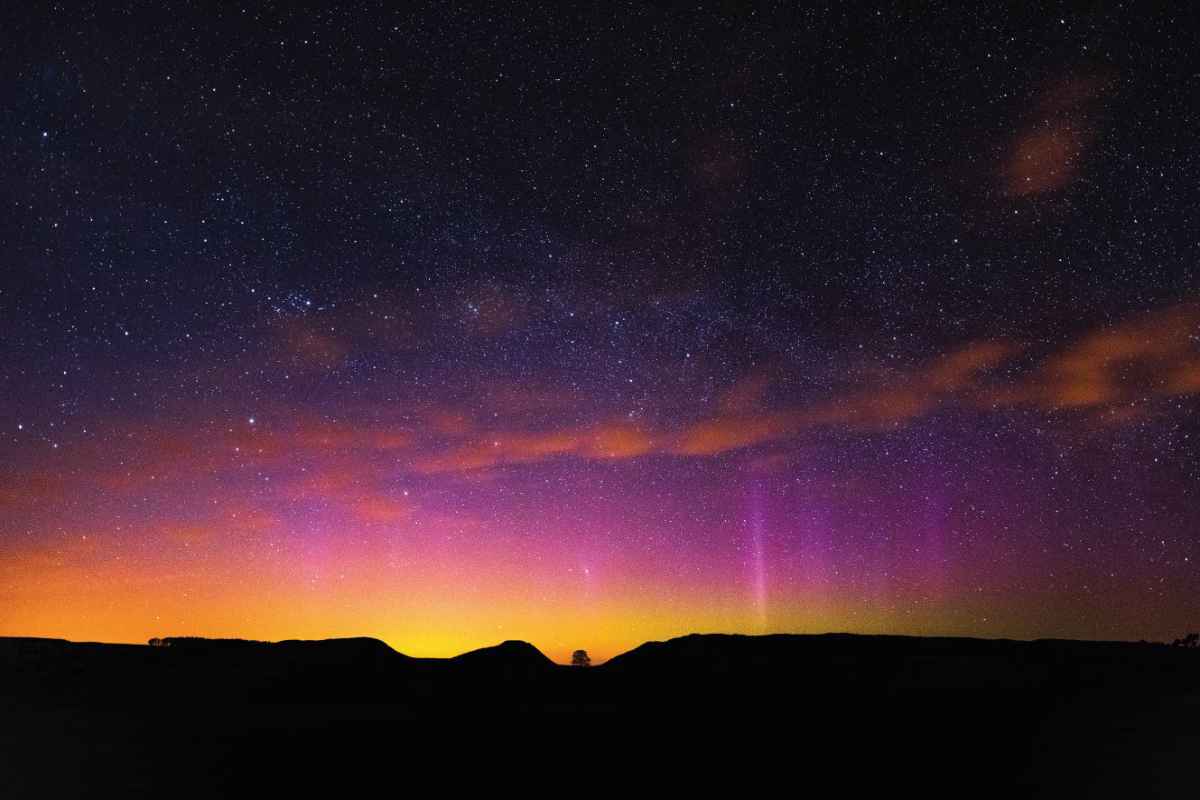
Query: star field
[{"x": 593, "y": 327}]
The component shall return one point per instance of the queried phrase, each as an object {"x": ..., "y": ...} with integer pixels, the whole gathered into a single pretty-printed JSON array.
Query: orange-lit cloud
[
  {"x": 1149, "y": 356},
  {"x": 905, "y": 397},
  {"x": 1045, "y": 158},
  {"x": 604, "y": 441},
  {"x": 314, "y": 347},
  {"x": 321, "y": 485},
  {"x": 742, "y": 419},
  {"x": 351, "y": 487},
  {"x": 447, "y": 422},
  {"x": 746, "y": 395},
  {"x": 30, "y": 488},
  {"x": 616, "y": 441},
  {"x": 1184, "y": 379},
  {"x": 1048, "y": 153},
  {"x": 730, "y": 432},
  {"x": 171, "y": 451},
  {"x": 887, "y": 403}
]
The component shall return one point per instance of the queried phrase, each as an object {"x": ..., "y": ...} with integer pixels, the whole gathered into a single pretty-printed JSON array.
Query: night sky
[{"x": 588, "y": 328}]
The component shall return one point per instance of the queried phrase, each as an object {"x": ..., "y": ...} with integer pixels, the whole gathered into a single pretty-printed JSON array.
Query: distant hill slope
[
  {"x": 893, "y": 663},
  {"x": 511, "y": 659}
]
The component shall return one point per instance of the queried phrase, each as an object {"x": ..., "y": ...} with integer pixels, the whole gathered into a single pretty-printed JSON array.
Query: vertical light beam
[{"x": 758, "y": 558}]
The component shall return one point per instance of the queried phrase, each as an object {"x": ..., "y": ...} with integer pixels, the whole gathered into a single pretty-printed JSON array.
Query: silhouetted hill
[
  {"x": 898, "y": 663},
  {"x": 360, "y": 650},
  {"x": 203, "y": 643},
  {"x": 1034, "y": 716},
  {"x": 508, "y": 659},
  {"x": 237, "y": 667}
]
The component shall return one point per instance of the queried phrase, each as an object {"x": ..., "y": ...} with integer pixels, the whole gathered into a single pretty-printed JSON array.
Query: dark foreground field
[{"x": 852, "y": 714}]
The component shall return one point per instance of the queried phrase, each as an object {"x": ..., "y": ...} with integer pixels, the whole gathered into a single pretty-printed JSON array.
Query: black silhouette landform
[{"x": 1038, "y": 718}]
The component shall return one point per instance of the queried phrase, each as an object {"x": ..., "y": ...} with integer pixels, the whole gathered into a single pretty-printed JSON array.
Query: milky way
[{"x": 592, "y": 328}]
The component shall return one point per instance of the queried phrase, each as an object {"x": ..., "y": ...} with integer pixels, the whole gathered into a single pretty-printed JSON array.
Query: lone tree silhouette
[{"x": 580, "y": 658}]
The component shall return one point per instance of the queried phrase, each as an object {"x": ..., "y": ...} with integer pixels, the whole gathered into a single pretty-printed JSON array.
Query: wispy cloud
[
  {"x": 1048, "y": 152},
  {"x": 1149, "y": 356},
  {"x": 604, "y": 441},
  {"x": 1135, "y": 361}
]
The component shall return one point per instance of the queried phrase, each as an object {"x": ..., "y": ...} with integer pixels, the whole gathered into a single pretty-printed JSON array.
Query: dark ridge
[
  {"x": 356, "y": 647},
  {"x": 32, "y": 644},
  {"x": 201, "y": 642},
  {"x": 895, "y": 663},
  {"x": 510, "y": 660},
  {"x": 510, "y": 650},
  {"x": 1026, "y": 714}
]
